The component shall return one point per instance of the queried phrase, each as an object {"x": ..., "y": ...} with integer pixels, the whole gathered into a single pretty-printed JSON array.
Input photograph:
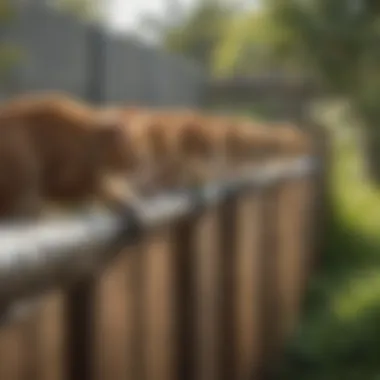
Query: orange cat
[
  {"x": 170, "y": 146},
  {"x": 291, "y": 141},
  {"x": 64, "y": 149}
]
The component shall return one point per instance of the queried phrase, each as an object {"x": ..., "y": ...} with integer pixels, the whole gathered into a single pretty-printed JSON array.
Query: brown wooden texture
[
  {"x": 11, "y": 353},
  {"x": 184, "y": 239},
  {"x": 207, "y": 262},
  {"x": 13, "y": 356},
  {"x": 227, "y": 311},
  {"x": 50, "y": 342},
  {"x": 294, "y": 250},
  {"x": 210, "y": 297},
  {"x": 116, "y": 318},
  {"x": 247, "y": 286},
  {"x": 269, "y": 286},
  {"x": 159, "y": 322}
]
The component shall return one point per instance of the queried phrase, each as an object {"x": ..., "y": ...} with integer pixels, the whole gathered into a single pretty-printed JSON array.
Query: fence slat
[
  {"x": 42, "y": 334},
  {"x": 31, "y": 348},
  {"x": 159, "y": 313},
  {"x": 50, "y": 344},
  {"x": 247, "y": 285},
  {"x": 269, "y": 292},
  {"x": 80, "y": 330},
  {"x": 12, "y": 353},
  {"x": 227, "y": 311},
  {"x": 207, "y": 257},
  {"x": 136, "y": 332},
  {"x": 293, "y": 257},
  {"x": 185, "y": 297},
  {"x": 115, "y": 318}
]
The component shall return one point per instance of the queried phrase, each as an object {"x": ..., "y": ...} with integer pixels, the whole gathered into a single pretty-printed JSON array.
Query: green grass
[{"x": 339, "y": 337}]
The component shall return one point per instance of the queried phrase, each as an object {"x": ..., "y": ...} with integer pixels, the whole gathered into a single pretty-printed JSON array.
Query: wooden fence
[{"x": 209, "y": 289}]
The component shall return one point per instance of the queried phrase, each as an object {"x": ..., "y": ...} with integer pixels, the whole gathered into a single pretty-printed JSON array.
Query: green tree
[
  {"x": 339, "y": 41},
  {"x": 201, "y": 32},
  {"x": 336, "y": 42},
  {"x": 84, "y": 9},
  {"x": 6, "y": 12},
  {"x": 331, "y": 37},
  {"x": 247, "y": 46},
  {"x": 10, "y": 54},
  {"x": 197, "y": 33}
]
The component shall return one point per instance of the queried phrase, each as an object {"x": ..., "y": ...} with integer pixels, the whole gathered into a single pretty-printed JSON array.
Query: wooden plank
[
  {"x": 269, "y": 282},
  {"x": 116, "y": 319},
  {"x": 206, "y": 273},
  {"x": 294, "y": 251},
  {"x": 227, "y": 311},
  {"x": 11, "y": 353},
  {"x": 50, "y": 342},
  {"x": 159, "y": 318},
  {"x": 247, "y": 286}
]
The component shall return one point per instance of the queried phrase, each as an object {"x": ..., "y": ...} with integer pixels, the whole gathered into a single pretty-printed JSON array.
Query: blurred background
[{"x": 212, "y": 53}]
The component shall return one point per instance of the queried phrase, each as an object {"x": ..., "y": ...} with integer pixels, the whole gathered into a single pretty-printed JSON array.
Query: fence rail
[
  {"x": 208, "y": 292},
  {"x": 36, "y": 256}
]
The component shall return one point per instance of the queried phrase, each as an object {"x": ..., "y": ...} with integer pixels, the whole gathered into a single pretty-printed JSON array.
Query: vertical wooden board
[
  {"x": 21, "y": 341},
  {"x": 269, "y": 294},
  {"x": 159, "y": 328},
  {"x": 115, "y": 319},
  {"x": 293, "y": 253},
  {"x": 207, "y": 297},
  {"x": 289, "y": 256},
  {"x": 227, "y": 313},
  {"x": 11, "y": 353},
  {"x": 247, "y": 286},
  {"x": 29, "y": 325},
  {"x": 50, "y": 338}
]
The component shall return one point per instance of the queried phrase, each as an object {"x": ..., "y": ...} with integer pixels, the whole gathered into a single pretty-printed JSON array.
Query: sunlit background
[{"x": 178, "y": 49}]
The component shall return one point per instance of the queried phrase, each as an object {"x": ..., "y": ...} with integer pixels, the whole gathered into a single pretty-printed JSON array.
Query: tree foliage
[
  {"x": 252, "y": 43},
  {"x": 194, "y": 33},
  {"x": 339, "y": 40},
  {"x": 84, "y": 9},
  {"x": 10, "y": 54},
  {"x": 6, "y": 12},
  {"x": 200, "y": 33}
]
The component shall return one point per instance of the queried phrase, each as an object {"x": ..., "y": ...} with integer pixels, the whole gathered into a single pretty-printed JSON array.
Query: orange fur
[
  {"x": 290, "y": 141},
  {"x": 195, "y": 147},
  {"x": 71, "y": 146},
  {"x": 167, "y": 144}
]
